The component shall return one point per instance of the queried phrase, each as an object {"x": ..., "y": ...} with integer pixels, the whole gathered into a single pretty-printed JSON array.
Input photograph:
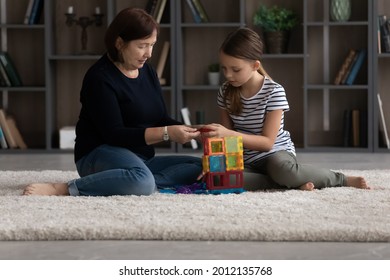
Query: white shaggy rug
[{"x": 333, "y": 214}]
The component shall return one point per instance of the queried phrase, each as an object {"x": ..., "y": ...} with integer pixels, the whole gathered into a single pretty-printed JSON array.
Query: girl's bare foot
[
  {"x": 357, "y": 182},
  {"x": 309, "y": 186},
  {"x": 46, "y": 189}
]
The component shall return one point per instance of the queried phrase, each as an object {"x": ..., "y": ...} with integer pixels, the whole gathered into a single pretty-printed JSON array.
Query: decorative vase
[
  {"x": 340, "y": 10},
  {"x": 214, "y": 78},
  {"x": 276, "y": 41}
]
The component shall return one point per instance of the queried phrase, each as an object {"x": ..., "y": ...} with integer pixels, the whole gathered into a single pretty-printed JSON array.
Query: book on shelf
[
  {"x": 383, "y": 126},
  {"x": 347, "y": 140},
  {"x": 387, "y": 42},
  {"x": 356, "y": 66},
  {"x": 201, "y": 11},
  {"x": 185, "y": 114},
  {"x": 159, "y": 11},
  {"x": 5, "y": 81},
  {"x": 363, "y": 128},
  {"x": 162, "y": 62},
  {"x": 6, "y": 130},
  {"x": 346, "y": 74},
  {"x": 10, "y": 69},
  {"x": 28, "y": 11},
  {"x": 384, "y": 30},
  {"x": 3, "y": 142},
  {"x": 19, "y": 141},
  {"x": 35, "y": 12},
  {"x": 355, "y": 128},
  {"x": 379, "y": 40},
  {"x": 194, "y": 11},
  {"x": 345, "y": 66}
]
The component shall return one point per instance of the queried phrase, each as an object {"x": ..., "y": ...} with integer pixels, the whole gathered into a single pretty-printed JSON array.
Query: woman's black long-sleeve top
[{"x": 116, "y": 110}]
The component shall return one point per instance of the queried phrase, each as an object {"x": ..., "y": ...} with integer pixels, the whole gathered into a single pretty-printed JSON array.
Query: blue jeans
[{"x": 110, "y": 170}]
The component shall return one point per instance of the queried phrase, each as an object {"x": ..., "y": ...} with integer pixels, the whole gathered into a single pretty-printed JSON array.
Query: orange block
[{"x": 214, "y": 146}]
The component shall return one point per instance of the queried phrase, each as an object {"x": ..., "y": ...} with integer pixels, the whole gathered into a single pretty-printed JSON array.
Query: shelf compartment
[
  {"x": 318, "y": 11},
  {"x": 227, "y": 11},
  {"x": 328, "y": 125}
]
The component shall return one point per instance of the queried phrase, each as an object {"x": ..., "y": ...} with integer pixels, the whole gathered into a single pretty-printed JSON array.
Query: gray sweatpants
[{"x": 281, "y": 170}]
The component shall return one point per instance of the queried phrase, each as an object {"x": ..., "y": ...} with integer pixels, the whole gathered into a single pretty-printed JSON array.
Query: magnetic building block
[
  {"x": 214, "y": 146},
  {"x": 234, "y": 161},
  {"x": 233, "y": 144},
  {"x": 217, "y": 163}
]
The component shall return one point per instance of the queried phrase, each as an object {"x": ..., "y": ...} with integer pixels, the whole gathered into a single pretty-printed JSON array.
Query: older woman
[{"x": 123, "y": 114}]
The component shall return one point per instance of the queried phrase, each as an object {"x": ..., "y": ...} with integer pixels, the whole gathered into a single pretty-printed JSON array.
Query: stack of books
[
  {"x": 350, "y": 68},
  {"x": 10, "y": 136}
]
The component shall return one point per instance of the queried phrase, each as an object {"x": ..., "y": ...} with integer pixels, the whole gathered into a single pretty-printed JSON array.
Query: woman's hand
[
  {"x": 182, "y": 133},
  {"x": 177, "y": 133}
]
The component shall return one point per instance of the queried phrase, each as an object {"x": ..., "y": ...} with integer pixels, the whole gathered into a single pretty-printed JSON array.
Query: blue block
[{"x": 217, "y": 163}]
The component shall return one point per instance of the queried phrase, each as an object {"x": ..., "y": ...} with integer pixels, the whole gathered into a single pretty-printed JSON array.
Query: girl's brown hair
[
  {"x": 129, "y": 24},
  {"x": 243, "y": 43}
]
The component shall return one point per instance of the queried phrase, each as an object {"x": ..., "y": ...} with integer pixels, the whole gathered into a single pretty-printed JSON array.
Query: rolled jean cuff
[
  {"x": 72, "y": 188},
  {"x": 344, "y": 179}
]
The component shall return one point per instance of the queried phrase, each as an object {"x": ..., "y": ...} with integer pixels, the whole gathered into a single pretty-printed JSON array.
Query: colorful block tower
[{"x": 223, "y": 164}]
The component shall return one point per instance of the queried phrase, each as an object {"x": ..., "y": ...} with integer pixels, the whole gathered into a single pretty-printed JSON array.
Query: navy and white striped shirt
[{"x": 270, "y": 97}]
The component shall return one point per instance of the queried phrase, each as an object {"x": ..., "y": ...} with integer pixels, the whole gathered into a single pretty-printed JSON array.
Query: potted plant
[
  {"x": 276, "y": 23},
  {"x": 214, "y": 74}
]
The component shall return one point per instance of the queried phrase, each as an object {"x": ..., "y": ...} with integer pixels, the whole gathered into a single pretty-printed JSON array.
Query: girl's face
[
  {"x": 135, "y": 53},
  {"x": 237, "y": 71}
]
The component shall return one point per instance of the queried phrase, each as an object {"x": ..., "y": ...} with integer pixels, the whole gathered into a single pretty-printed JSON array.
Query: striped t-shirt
[{"x": 270, "y": 97}]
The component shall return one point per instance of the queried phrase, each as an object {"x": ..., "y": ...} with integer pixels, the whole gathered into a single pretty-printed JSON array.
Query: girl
[{"x": 252, "y": 105}]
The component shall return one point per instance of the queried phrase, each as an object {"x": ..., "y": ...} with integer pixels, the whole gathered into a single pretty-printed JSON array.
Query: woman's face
[
  {"x": 136, "y": 52},
  {"x": 237, "y": 71}
]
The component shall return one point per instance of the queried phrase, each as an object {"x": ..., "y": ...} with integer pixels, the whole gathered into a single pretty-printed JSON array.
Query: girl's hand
[{"x": 216, "y": 130}]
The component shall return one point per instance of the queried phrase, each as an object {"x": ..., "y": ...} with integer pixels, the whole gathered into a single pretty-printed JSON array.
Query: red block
[{"x": 224, "y": 180}]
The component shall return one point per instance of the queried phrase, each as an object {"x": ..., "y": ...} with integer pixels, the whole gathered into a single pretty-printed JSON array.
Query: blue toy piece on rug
[
  {"x": 226, "y": 191},
  {"x": 199, "y": 188}
]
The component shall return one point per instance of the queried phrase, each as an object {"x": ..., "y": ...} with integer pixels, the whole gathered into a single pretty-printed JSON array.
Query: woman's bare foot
[
  {"x": 46, "y": 189},
  {"x": 309, "y": 186},
  {"x": 357, "y": 182}
]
